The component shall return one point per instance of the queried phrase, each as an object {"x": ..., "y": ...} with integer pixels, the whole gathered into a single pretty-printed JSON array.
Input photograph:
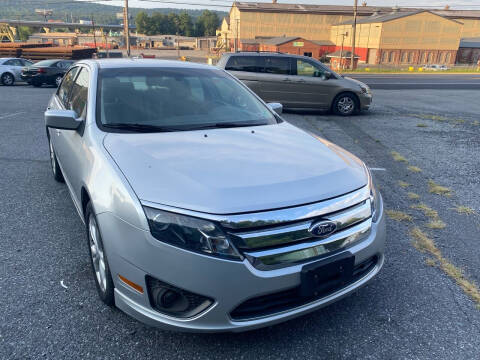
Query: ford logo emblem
[{"x": 322, "y": 228}]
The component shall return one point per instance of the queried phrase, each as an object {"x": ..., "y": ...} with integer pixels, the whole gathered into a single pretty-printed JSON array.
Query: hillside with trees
[
  {"x": 173, "y": 23},
  {"x": 102, "y": 14}
]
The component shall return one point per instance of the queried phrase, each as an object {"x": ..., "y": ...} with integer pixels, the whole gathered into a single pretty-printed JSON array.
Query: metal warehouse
[{"x": 385, "y": 35}]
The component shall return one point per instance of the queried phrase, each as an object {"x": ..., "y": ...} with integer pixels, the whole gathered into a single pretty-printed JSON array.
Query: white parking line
[
  {"x": 378, "y": 169},
  {"x": 12, "y": 114}
]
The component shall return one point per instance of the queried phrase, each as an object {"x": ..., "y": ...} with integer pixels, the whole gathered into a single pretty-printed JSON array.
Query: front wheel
[
  {"x": 7, "y": 79},
  {"x": 345, "y": 104},
  {"x": 98, "y": 258}
]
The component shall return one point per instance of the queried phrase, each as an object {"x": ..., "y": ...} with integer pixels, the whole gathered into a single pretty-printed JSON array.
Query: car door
[
  {"x": 313, "y": 88},
  {"x": 70, "y": 149},
  {"x": 277, "y": 85},
  {"x": 248, "y": 69}
]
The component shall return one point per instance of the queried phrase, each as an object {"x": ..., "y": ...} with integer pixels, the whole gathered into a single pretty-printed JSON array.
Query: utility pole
[
  {"x": 126, "y": 29},
  {"x": 94, "y": 37},
  {"x": 354, "y": 32},
  {"x": 237, "y": 38},
  {"x": 341, "y": 51}
]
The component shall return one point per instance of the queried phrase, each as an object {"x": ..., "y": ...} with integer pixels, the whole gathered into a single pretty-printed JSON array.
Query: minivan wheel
[
  {"x": 345, "y": 104},
  {"x": 57, "y": 172},
  {"x": 7, "y": 79},
  {"x": 98, "y": 258}
]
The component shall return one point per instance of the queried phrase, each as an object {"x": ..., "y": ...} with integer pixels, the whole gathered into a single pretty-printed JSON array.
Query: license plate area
[{"x": 327, "y": 275}]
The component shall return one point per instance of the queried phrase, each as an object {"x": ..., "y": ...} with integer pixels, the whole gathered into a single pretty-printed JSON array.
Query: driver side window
[
  {"x": 305, "y": 68},
  {"x": 65, "y": 88}
]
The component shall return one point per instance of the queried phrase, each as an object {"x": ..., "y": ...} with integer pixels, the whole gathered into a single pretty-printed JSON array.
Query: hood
[
  {"x": 235, "y": 170},
  {"x": 358, "y": 82}
]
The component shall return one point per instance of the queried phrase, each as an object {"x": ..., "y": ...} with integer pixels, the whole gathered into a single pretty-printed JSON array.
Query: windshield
[
  {"x": 173, "y": 99},
  {"x": 45, "y": 63}
]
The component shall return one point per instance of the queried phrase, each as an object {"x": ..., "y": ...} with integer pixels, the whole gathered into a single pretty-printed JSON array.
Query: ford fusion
[{"x": 203, "y": 209}]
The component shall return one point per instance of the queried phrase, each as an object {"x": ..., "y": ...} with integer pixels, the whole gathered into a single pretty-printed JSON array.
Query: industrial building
[
  {"x": 386, "y": 35},
  {"x": 415, "y": 37}
]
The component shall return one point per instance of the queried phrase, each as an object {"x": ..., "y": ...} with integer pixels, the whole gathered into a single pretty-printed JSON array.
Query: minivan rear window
[{"x": 245, "y": 63}]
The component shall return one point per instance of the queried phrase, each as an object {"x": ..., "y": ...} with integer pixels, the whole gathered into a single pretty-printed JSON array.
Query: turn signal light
[{"x": 131, "y": 284}]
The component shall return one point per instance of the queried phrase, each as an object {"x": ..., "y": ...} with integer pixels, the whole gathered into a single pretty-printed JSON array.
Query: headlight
[
  {"x": 190, "y": 233},
  {"x": 374, "y": 196},
  {"x": 365, "y": 89}
]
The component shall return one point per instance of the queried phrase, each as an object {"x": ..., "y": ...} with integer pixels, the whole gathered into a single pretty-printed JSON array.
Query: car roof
[{"x": 141, "y": 63}]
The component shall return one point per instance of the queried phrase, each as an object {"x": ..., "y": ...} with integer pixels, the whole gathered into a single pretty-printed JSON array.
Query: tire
[
  {"x": 57, "y": 172},
  {"x": 98, "y": 258},
  {"x": 345, "y": 104},
  {"x": 7, "y": 79},
  {"x": 58, "y": 80}
]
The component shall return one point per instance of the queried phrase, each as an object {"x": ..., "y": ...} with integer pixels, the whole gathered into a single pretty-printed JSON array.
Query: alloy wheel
[
  {"x": 97, "y": 253},
  {"x": 52, "y": 158},
  {"x": 7, "y": 79},
  {"x": 346, "y": 105}
]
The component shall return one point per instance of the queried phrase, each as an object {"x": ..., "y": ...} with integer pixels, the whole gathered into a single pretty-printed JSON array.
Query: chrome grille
[{"x": 276, "y": 239}]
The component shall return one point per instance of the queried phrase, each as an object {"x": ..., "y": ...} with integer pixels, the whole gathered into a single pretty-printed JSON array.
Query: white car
[
  {"x": 11, "y": 69},
  {"x": 435, "y": 67}
]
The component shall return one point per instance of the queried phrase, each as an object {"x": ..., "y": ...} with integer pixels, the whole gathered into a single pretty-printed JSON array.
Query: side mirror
[
  {"x": 277, "y": 107},
  {"x": 62, "y": 119},
  {"x": 327, "y": 75}
]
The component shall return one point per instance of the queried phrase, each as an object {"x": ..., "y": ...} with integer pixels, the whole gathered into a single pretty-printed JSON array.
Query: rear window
[
  {"x": 46, "y": 63},
  {"x": 245, "y": 63}
]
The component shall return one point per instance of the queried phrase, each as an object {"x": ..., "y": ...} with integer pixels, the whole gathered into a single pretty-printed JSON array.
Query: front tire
[
  {"x": 57, "y": 172},
  {"x": 345, "y": 104},
  {"x": 98, "y": 258},
  {"x": 7, "y": 79}
]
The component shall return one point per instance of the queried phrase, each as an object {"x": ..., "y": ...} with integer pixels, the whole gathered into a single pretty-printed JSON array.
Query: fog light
[{"x": 170, "y": 300}]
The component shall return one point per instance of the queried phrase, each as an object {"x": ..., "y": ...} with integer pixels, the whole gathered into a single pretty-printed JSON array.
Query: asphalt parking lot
[{"x": 412, "y": 310}]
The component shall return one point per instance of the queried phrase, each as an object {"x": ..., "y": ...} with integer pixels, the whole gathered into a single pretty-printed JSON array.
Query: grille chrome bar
[
  {"x": 276, "y": 217},
  {"x": 296, "y": 232},
  {"x": 296, "y": 253}
]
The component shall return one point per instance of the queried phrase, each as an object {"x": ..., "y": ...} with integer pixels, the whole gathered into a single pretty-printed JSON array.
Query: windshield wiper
[
  {"x": 140, "y": 127},
  {"x": 231, "y": 124}
]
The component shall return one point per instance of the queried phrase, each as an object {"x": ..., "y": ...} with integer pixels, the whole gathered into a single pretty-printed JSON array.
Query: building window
[
  {"x": 309, "y": 54},
  {"x": 447, "y": 58},
  {"x": 404, "y": 57},
  {"x": 384, "y": 56},
  {"x": 430, "y": 58},
  {"x": 410, "y": 57},
  {"x": 391, "y": 58}
]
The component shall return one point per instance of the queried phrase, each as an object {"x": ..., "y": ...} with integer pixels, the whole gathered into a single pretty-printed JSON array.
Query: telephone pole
[
  {"x": 126, "y": 27},
  {"x": 354, "y": 32}
]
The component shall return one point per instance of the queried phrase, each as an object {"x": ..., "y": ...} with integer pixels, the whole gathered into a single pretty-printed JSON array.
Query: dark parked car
[{"x": 46, "y": 72}]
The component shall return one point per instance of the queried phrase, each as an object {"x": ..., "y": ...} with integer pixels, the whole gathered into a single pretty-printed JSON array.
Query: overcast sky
[{"x": 225, "y": 5}]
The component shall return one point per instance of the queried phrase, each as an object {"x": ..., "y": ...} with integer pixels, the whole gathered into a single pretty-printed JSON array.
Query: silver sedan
[
  {"x": 204, "y": 210},
  {"x": 10, "y": 70}
]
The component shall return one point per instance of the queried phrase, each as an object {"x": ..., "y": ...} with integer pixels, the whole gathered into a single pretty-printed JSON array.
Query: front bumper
[
  {"x": 365, "y": 101},
  {"x": 134, "y": 254}
]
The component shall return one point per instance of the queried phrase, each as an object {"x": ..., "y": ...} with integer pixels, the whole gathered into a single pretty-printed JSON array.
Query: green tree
[
  {"x": 185, "y": 24},
  {"x": 207, "y": 23},
  {"x": 142, "y": 22},
  {"x": 24, "y": 32}
]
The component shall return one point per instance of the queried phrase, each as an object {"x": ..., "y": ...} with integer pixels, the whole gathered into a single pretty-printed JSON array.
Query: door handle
[{"x": 287, "y": 79}]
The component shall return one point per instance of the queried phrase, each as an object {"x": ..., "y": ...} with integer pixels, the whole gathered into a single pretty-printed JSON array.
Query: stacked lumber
[
  {"x": 45, "y": 51},
  {"x": 59, "y": 52}
]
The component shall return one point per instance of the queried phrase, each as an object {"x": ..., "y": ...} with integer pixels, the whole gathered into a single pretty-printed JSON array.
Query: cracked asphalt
[{"x": 410, "y": 311}]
